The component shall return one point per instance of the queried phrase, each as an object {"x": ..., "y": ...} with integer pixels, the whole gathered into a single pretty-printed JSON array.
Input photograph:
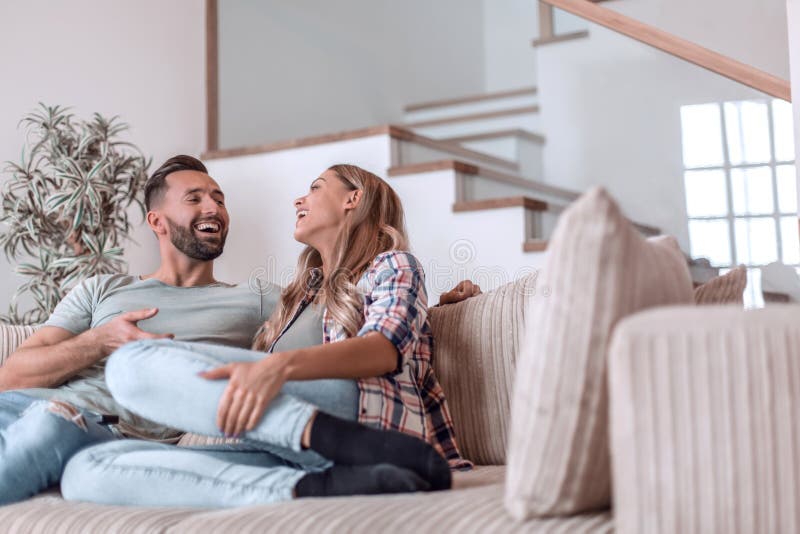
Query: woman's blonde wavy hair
[{"x": 375, "y": 225}]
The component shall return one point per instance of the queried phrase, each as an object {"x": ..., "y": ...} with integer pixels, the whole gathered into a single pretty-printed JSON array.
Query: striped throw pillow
[
  {"x": 725, "y": 289},
  {"x": 598, "y": 270}
]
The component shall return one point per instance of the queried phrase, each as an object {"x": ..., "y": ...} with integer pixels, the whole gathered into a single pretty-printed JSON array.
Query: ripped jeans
[{"x": 37, "y": 438}]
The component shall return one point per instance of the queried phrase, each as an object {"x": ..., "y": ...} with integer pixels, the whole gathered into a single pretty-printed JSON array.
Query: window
[{"x": 741, "y": 186}]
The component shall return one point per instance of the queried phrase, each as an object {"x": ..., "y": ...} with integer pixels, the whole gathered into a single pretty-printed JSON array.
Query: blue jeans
[
  {"x": 159, "y": 380},
  {"x": 37, "y": 438}
]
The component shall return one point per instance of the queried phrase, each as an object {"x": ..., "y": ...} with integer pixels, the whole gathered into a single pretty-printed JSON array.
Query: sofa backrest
[
  {"x": 11, "y": 336},
  {"x": 475, "y": 349}
]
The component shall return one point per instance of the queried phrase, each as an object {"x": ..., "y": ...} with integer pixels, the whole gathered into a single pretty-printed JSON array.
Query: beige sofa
[
  {"x": 480, "y": 405},
  {"x": 477, "y": 344}
]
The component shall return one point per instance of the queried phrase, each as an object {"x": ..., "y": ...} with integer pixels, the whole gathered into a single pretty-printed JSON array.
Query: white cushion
[{"x": 598, "y": 270}]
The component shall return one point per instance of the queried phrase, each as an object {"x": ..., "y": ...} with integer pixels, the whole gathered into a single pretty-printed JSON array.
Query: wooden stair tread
[
  {"x": 430, "y": 166},
  {"x": 403, "y": 134},
  {"x": 499, "y": 203},
  {"x": 475, "y": 116},
  {"x": 489, "y": 174},
  {"x": 514, "y": 132},
  {"x": 535, "y": 245},
  {"x": 468, "y": 99}
]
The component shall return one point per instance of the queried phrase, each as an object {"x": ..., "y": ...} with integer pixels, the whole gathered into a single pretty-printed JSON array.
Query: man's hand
[
  {"x": 53, "y": 355},
  {"x": 464, "y": 290},
  {"x": 123, "y": 329},
  {"x": 251, "y": 387}
]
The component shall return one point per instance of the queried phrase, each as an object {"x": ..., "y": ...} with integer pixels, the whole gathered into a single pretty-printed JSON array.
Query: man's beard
[{"x": 185, "y": 240}]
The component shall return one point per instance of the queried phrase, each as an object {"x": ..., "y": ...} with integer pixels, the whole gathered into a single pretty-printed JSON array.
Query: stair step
[
  {"x": 475, "y": 117},
  {"x": 497, "y": 203},
  {"x": 553, "y": 195},
  {"x": 452, "y": 149},
  {"x": 498, "y": 134},
  {"x": 525, "y": 91},
  {"x": 535, "y": 245},
  {"x": 431, "y": 166},
  {"x": 516, "y": 144},
  {"x": 548, "y": 192}
]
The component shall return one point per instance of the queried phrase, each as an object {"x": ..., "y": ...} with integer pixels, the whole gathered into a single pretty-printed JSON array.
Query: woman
[{"x": 361, "y": 413}]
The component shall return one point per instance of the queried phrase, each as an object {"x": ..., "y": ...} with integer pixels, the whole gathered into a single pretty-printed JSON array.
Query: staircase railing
[{"x": 676, "y": 46}]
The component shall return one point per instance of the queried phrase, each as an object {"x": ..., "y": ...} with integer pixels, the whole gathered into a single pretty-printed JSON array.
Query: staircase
[
  {"x": 494, "y": 213},
  {"x": 501, "y": 124}
]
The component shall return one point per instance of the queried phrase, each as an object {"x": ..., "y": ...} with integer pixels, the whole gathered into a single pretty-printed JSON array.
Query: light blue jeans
[
  {"x": 36, "y": 440},
  {"x": 159, "y": 380}
]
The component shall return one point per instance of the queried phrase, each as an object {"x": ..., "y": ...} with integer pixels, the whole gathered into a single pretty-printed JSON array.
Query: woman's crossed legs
[{"x": 159, "y": 381}]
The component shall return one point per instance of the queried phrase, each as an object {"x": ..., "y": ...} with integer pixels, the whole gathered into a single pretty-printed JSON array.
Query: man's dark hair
[{"x": 156, "y": 185}]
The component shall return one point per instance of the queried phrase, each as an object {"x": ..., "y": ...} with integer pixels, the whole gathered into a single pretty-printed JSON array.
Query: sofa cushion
[
  {"x": 471, "y": 507},
  {"x": 474, "y": 505},
  {"x": 475, "y": 351},
  {"x": 48, "y": 513},
  {"x": 705, "y": 420},
  {"x": 598, "y": 269},
  {"x": 725, "y": 289}
]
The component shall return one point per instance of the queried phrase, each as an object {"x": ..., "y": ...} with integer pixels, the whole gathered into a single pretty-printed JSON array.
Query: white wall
[
  {"x": 611, "y": 106},
  {"x": 793, "y": 18},
  {"x": 509, "y": 27},
  {"x": 293, "y": 69},
  {"x": 141, "y": 60}
]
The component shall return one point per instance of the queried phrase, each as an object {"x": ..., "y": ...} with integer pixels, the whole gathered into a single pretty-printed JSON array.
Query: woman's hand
[{"x": 251, "y": 387}]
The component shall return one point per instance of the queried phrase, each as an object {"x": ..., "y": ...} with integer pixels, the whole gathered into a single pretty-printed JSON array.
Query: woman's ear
[{"x": 354, "y": 198}]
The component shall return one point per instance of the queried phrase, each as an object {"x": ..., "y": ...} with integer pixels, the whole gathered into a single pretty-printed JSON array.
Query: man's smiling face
[{"x": 194, "y": 209}]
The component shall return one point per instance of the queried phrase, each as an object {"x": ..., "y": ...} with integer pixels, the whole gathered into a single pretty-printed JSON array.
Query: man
[{"x": 53, "y": 397}]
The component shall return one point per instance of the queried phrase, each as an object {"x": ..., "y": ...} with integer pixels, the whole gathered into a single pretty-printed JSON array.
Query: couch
[
  {"x": 479, "y": 404},
  {"x": 479, "y": 397},
  {"x": 617, "y": 402}
]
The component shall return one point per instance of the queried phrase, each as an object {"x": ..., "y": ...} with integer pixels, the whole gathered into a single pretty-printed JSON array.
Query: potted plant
[{"x": 65, "y": 205}]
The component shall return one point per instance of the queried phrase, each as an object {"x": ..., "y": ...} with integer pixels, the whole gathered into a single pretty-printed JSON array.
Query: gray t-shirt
[{"x": 219, "y": 313}]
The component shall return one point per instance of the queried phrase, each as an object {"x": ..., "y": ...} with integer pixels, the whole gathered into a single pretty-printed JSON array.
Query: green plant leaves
[{"x": 65, "y": 204}]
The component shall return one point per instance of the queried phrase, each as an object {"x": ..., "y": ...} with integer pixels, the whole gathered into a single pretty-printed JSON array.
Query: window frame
[{"x": 727, "y": 168}]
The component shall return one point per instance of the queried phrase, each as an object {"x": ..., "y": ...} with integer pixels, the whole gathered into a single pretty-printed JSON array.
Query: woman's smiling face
[{"x": 321, "y": 212}]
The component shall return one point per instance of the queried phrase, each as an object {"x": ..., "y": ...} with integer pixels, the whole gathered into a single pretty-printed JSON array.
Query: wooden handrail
[{"x": 678, "y": 47}]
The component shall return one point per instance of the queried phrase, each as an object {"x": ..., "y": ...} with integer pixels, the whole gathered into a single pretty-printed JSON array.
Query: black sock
[
  {"x": 350, "y": 443},
  {"x": 359, "y": 480}
]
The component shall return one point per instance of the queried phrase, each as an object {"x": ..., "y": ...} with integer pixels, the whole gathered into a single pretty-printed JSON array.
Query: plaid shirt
[{"x": 409, "y": 399}]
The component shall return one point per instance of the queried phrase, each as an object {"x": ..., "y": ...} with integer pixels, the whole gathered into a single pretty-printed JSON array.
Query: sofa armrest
[
  {"x": 705, "y": 420},
  {"x": 11, "y": 337}
]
